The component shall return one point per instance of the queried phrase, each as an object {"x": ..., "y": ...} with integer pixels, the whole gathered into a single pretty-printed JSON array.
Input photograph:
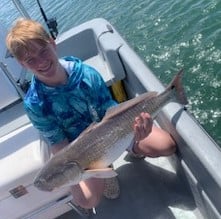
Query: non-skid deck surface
[{"x": 150, "y": 189}]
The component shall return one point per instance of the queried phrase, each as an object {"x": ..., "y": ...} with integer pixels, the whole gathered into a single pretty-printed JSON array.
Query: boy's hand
[{"x": 142, "y": 126}]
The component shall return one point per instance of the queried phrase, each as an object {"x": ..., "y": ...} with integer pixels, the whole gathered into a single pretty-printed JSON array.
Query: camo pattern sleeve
[{"x": 63, "y": 112}]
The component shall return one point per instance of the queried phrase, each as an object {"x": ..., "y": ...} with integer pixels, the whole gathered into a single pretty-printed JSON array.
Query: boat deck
[{"x": 150, "y": 189}]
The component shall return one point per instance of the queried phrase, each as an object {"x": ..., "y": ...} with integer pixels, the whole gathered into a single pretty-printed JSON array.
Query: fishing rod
[{"x": 51, "y": 23}]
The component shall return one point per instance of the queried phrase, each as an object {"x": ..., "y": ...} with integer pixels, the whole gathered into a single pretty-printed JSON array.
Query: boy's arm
[{"x": 48, "y": 128}]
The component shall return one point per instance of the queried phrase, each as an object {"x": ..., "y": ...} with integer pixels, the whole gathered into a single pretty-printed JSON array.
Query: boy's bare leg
[{"x": 87, "y": 194}]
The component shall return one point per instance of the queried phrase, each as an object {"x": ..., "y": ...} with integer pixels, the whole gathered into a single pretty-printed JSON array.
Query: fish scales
[
  {"x": 105, "y": 139},
  {"x": 86, "y": 152},
  {"x": 102, "y": 143}
]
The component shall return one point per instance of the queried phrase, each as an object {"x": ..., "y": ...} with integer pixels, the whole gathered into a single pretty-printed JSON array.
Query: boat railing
[{"x": 199, "y": 155}]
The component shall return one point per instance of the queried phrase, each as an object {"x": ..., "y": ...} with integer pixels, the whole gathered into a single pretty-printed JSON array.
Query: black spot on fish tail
[{"x": 177, "y": 85}]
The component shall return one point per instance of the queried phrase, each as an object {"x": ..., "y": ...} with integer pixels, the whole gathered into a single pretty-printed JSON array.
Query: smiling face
[
  {"x": 42, "y": 60},
  {"x": 32, "y": 46}
]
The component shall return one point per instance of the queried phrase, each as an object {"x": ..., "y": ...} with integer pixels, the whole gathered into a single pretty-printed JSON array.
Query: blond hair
[{"x": 21, "y": 35}]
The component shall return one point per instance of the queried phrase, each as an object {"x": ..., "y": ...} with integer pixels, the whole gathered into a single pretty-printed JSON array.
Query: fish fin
[
  {"x": 93, "y": 173},
  {"x": 122, "y": 107},
  {"x": 177, "y": 85},
  {"x": 99, "y": 173}
]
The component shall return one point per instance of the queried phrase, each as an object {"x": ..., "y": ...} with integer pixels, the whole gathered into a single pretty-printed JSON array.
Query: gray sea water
[{"x": 167, "y": 34}]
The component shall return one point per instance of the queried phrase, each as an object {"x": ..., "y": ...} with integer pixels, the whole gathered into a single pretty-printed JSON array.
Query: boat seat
[
  {"x": 97, "y": 47},
  {"x": 22, "y": 154},
  {"x": 101, "y": 66}
]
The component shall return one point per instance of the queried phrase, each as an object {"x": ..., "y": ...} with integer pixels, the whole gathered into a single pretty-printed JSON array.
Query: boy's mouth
[{"x": 46, "y": 69}]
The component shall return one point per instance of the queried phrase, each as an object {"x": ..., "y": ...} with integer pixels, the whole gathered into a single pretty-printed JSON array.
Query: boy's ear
[
  {"x": 21, "y": 63},
  {"x": 52, "y": 42}
]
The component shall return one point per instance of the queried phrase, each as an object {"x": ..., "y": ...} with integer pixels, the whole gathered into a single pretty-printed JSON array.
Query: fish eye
[{"x": 69, "y": 166}]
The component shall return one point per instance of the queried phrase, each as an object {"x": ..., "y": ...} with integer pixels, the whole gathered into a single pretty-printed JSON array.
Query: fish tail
[{"x": 179, "y": 90}]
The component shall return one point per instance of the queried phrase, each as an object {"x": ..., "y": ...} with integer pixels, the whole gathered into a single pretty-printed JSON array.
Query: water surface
[{"x": 168, "y": 35}]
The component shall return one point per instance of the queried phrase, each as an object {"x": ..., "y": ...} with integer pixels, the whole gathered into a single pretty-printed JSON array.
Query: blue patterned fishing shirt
[{"x": 63, "y": 112}]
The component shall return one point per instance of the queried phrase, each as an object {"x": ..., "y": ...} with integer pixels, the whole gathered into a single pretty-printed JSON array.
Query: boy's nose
[{"x": 40, "y": 61}]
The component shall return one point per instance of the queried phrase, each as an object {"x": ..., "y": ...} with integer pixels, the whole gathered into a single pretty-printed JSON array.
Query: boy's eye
[
  {"x": 29, "y": 61},
  {"x": 44, "y": 52}
]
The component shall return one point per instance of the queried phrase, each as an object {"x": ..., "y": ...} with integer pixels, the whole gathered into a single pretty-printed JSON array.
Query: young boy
[{"x": 60, "y": 105}]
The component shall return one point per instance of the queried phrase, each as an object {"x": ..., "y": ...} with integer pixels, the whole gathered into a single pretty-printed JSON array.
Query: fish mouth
[
  {"x": 42, "y": 185},
  {"x": 54, "y": 179}
]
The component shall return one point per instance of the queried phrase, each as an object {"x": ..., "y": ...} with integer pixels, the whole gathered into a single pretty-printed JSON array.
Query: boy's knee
[
  {"x": 86, "y": 203},
  {"x": 166, "y": 152},
  {"x": 162, "y": 149},
  {"x": 88, "y": 193}
]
